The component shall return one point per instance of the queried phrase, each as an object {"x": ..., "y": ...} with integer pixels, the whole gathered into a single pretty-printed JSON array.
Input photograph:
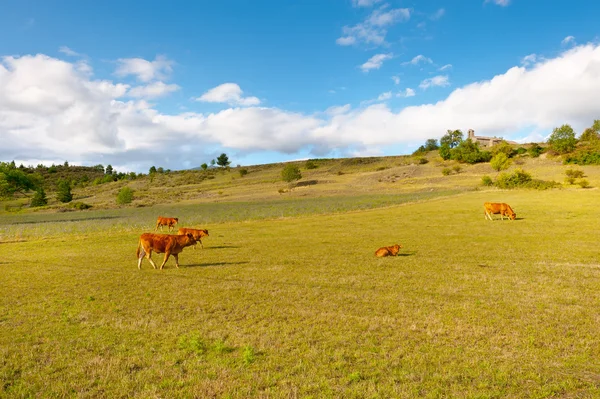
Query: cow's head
[
  {"x": 395, "y": 249},
  {"x": 176, "y": 220},
  {"x": 512, "y": 215}
]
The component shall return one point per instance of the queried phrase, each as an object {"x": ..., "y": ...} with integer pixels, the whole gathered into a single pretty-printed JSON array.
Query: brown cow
[
  {"x": 388, "y": 251},
  {"x": 163, "y": 221},
  {"x": 197, "y": 233},
  {"x": 162, "y": 243},
  {"x": 498, "y": 208}
]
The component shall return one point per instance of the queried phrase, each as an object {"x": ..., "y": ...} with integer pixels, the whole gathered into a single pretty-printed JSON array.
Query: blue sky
[{"x": 174, "y": 84}]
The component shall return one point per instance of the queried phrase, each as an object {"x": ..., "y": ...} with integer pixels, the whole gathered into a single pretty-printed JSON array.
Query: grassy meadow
[{"x": 287, "y": 300}]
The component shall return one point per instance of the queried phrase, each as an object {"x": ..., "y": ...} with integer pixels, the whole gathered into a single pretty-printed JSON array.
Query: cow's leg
[
  {"x": 141, "y": 257},
  {"x": 202, "y": 244},
  {"x": 176, "y": 256},
  {"x": 167, "y": 254},
  {"x": 149, "y": 257}
]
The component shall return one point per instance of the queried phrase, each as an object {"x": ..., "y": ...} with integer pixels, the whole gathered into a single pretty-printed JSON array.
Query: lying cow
[
  {"x": 498, "y": 208},
  {"x": 197, "y": 233},
  {"x": 163, "y": 221},
  {"x": 162, "y": 243},
  {"x": 388, "y": 251}
]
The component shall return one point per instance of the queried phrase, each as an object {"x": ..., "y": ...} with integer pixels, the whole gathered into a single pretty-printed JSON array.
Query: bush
[
  {"x": 487, "y": 181},
  {"x": 521, "y": 150},
  {"x": 562, "y": 140},
  {"x": 586, "y": 155},
  {"x": 570, "y": 180},
  {"x": 574, "y": 173},
  {"x": 500, "y": 161},
  {"x": 422, "y": 160},
  {"x": 521, "y": 179},
  {"x": 446, "y": 171},
  {"x": 63, "y": 193},
  {"x": 243, "y": 172},
  {"x": 80, "y": 205},
  {"x": 468, "y": 152},
  {"x": 125, "y": 196},
  {"x": 456, "y": 168},
  {"x": 290, "y": 173},
  {"x": 310, "y": 164},
  {"x": 535, "y": 150},
  {"x": 39, "y": 198},
  {"x": 583, "y": 183},
  {"x": 503, "y": 148}
]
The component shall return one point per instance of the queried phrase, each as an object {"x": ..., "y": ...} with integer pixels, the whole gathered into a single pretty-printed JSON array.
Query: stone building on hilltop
[{"x": 486, "y": 141}]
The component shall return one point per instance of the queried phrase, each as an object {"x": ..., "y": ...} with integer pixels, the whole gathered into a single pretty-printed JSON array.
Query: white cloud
[
  {"x": 385, "y": 96},
  {"x": 67, "y": 51},
  {"x": 419, "y": 59},
  {"x": 438, "y": 14},
  {"x": 529, "y": 60},
  {"x": 364, "y": 3},
  {"x": 373, "y": 30},
  {"x": 408, "y": 92},
  {"x": 153, "y": 90},
  {"x": 445, "y": 67},
  {"x": 375, "y": 62},
  {"x": 144, "y": 70},
  {"x": 502, "y": 3},
  {"x": 396, "y": 80},
  {"x": 229, "y": 93},
  {"x": 50, "y": 107},
  {"x": 439, "y": 81},
  {"x": 568, "y": 40}
]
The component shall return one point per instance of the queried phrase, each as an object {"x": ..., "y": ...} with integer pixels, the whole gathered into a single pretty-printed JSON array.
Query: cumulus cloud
[
  {"x": 568, "y": 40},
  {"x": 364, "y": 3},
  {"x": 153, "y": 90},
  {"x": 501, "y": 3},
  {"x": 385, "y": 96},
  {"x": 408, "y": 92},
  {"x": 52, "y": 111},
  {"x": 439, "y": 81},
  {"x": 375, "y": 62},
  {"x": 419, "y": 59},
  {"x": 145, "y": 70},
  {"x": 529, "y": 59},
  {"x": 373, "y": 30},
  {"x": 229, "y": 93},
  {"x": 396, "y": 80}
]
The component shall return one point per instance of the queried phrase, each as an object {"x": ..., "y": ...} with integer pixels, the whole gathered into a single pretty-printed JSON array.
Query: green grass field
[{"x": 287, "y": 300}]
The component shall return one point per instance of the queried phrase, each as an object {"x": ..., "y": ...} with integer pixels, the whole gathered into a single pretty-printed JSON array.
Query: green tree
[
  {"x": 468, "y": 151},
  {"x": 108, "y": 170},
  {"x": 152, "y": 170},
  {"x": 562, "y": 139},
  {"x": 204, "y": 166},
  {"x": 63, "y": 192},
  {"x": 452, "y": 138},
  {"x": 431, "y": 145},
  {"x": 503, "y": 147},
  {"x": 39, "y": 198},
  {"x": 14, "y": 180},
  {"x": 223, "y": 160},
  {"x": 212, "y": 163},
  {"x": 160, "y": 170},
  {"x": 290, "y": 173},
  {"x": 589, "y": 135},
  {"x": 125, "y": 196},
  {"x": 500, "y": 161}
]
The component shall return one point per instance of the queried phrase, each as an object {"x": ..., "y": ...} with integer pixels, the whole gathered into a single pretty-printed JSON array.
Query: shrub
[
  {"x": 535, "y": 150},
  {"x": 487, "y": 181},
  {"x": 562, "y": 140},
  {"x": 446, "y": 171},
  {"x": 570, "y": 180},
  {"x": 310, "y": 164},
  {"x": 583, "y": 183},
  {"x": 521, "y": 150},
  {"x": 500, "y": 161},
  {"x": 468, "y": 151},
  {"x": 243, "y": 172},
  {"x": 588, "y": 154},
  {"x": 504, "y": 148},
  {"x": 80, "y": 205},
  {"x": 574, "y": 173},
  {"x": 290, "y": 173},
  {"x": 125, "y": 196},
  {"x": 39, "y": 198},
  {"x": 456, "y": 168},
  {"x": 518, "y": 178},
  {"x": 422, "y": 160},
  {"x": 63, "y": 193}
]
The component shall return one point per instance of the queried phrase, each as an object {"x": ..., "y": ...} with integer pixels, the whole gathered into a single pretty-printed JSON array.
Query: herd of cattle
[
  {"x": 174, "y": 244},
  {"x": 167, "y": 243}
]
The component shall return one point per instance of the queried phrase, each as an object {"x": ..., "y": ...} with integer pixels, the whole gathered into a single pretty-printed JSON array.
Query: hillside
[{"x": 331, "y": 177}]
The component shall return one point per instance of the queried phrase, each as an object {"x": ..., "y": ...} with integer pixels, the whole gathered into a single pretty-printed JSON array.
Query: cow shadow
[
  {"x": 214, "y": 264},
  {"x": 221, "y": 247},
  {"x": 405, "y": 254}
]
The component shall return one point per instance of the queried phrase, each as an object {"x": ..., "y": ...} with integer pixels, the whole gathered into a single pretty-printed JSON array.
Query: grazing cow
[
  {"x": 162, "y": 243},
  {"x": 197, "y": 233},
  {"x": 163, "y": 221},
  {"x": 388, "y": 251},
  {"x": 498, "y": 207}
]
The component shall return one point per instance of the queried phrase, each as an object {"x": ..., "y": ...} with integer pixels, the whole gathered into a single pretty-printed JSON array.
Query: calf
[
  {"x": 388, "y": 251},
  {"x": 197, "y": 233},
  {"x": 498, "y": 208},
  {"x": 162, "y": 243},
  {"x": 163, "y": 221}
]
